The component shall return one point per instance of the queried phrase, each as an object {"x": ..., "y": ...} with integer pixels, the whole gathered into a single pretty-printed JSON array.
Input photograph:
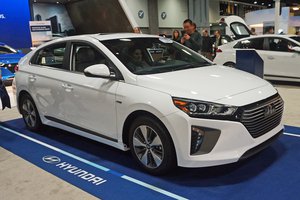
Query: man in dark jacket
[
  {"x": 191, "y": 38},
  {"x": 207, "y": 45}
]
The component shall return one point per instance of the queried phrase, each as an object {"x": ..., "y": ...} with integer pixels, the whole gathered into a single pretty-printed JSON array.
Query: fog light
[
  {"x": 196, "y": 139},
  {"x": 203, "y": 140}
]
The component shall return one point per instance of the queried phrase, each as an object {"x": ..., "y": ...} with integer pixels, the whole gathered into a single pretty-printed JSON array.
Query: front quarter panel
[{"x": 131, "y": 98}]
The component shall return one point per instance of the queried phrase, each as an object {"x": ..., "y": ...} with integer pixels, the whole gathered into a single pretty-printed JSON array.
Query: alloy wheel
[
  {"x": 148, "y": 146},
  {"x": 30, "y": 116}
]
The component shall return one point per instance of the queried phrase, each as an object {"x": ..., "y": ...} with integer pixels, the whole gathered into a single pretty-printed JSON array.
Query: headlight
[{"x": 203, "y": 109}]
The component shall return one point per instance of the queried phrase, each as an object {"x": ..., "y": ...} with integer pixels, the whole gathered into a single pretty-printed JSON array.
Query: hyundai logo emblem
[
  {"x": 269, "y": 110},
  {"x": 51, "y": 159}
]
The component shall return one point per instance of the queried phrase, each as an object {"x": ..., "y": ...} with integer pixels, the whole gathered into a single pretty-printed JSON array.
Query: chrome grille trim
[{"x": 257, "y": 118}]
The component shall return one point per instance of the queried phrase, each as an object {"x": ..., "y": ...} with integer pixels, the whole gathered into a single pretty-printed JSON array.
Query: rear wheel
[
  {"x": 30, "y": 113},
  {"x": 230, "y": 64},
  {"x": 151, "y": 146}
]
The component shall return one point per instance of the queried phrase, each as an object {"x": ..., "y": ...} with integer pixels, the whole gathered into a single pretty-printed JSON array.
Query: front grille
[{"x": 262, "y": 117}]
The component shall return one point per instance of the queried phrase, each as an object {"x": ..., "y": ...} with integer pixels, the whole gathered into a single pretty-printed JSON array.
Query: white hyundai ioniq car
[
  {"x": 280, "y": 53},
  {"x": 163, "y": 101}
]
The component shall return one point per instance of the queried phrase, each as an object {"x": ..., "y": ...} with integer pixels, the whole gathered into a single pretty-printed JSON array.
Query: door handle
[
  {"x": 32, "y": 78},
  {"x": 271, "y": 57},
  {"x": 67, "y": 87}
]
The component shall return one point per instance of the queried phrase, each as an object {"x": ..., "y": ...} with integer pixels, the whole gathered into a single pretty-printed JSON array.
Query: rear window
[{"x": 239, "y": 30}]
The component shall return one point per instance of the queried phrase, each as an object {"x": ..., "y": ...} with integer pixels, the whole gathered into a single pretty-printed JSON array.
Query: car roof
[
  {"x": 99, "y": 36},
  {"x": 263, "y": 36},
  {"x": 268, "y": 35},
  {"x": 108, "y": 36},
  {"x": 112, "y": 36}
]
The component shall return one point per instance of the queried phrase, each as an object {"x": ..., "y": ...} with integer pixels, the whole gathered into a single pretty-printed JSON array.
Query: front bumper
[{"x": 232, "y": 145}]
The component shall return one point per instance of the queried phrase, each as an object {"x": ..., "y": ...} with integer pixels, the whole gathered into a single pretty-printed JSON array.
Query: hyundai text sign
[{"x": 73, "y": 170}]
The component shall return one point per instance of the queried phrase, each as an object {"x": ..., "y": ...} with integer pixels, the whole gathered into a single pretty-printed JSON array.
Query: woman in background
[{"x": 176, "y": 36}]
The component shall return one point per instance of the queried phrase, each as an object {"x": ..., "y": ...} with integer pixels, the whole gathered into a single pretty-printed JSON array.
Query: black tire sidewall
[
  {"x": 38, "y": 123},
  {"x": 169, "y": 159},
  {"x": 230, "y": 64}
]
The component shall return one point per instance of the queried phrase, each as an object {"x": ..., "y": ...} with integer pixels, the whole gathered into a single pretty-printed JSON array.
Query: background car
[
  {"x": 9, "y": 59},
  {"x": 233, "y": 27},
  {"x": 280, "y": 53}
]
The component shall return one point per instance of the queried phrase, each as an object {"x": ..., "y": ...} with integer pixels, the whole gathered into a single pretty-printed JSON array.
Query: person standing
[
  {"x": 218, "y": 41},
  {"x": 270, "y": 30},
  {"x": 176, "y": 36},
  {"x": 191, "y": 38},
  {"x": 4, "y": 97},
  {"x": 207, "y": 45},
  {"x": 253, "y": 31},
  {"x": 136, "y": 30}
]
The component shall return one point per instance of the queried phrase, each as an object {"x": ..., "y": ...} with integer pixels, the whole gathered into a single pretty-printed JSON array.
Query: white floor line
[
  {"x": 291, "y": 134},
  {"x": 128, "y": 178}
]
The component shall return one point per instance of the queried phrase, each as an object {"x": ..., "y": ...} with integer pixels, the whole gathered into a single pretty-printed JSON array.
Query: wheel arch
[
  {"x": 20, "y": 95},
  {"x": 134, "y": 115}
]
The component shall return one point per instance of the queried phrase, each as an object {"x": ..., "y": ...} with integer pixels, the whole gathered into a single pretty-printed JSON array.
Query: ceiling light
[
  {"x": 296, "y": 8},
  {"x": 255, "y": 2}
]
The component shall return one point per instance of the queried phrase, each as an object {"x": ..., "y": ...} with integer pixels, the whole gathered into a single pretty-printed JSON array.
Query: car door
[
  {"x": 89, "y": 103},
  {"x": 47, "y": 70},
  {"x": 281, "y": 60}
]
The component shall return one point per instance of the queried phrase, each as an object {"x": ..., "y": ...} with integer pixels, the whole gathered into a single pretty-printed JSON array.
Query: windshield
[
  {"x": 154, "y": 55},
  {"x": 7, "y": 50},
  {"x": 297, "y": 38}
]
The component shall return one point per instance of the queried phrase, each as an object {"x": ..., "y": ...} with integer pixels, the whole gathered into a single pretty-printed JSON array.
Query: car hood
[
  {"x": 211, "y": 83},
  {"x": 10, "y": 58}
]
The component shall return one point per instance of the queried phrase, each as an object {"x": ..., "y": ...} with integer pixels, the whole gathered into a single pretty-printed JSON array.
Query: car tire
[
  {"x": 152, "y": 146},
  {"x": 30, "y": 113},
  {"x": 230, "y": 64}
]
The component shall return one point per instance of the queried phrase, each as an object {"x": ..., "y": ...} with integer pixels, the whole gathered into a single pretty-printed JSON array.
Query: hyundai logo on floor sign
[
  {"x": 51, "y": 159},
  {"x": 80, "y": 173}
]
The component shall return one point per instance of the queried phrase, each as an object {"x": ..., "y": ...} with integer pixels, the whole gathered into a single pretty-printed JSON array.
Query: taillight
[
  {"x": 16, "y": 68},
  {"x": 218, "y": 50}
]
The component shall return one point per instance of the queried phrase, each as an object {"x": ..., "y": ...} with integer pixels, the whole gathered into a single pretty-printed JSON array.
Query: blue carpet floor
[{"x": 272, "y": 174}]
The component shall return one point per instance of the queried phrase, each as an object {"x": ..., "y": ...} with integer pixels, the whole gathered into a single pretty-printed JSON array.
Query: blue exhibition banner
[{"x": 14, "y": 23}]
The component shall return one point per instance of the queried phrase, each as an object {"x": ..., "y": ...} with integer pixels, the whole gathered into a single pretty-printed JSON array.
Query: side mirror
[
  {"x": 98, "y": 70},
  {"x": 296, "y": 49}
]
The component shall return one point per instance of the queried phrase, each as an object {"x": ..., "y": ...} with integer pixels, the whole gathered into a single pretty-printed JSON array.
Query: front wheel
[
  {"x": 151, "y": 146},
  {"x": 30, "y": 113}
]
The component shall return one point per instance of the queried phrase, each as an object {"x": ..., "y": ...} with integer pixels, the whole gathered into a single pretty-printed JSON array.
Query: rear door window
[
  {"x": 255, "y": 43},
  {"x": 52, "y": 56}
]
